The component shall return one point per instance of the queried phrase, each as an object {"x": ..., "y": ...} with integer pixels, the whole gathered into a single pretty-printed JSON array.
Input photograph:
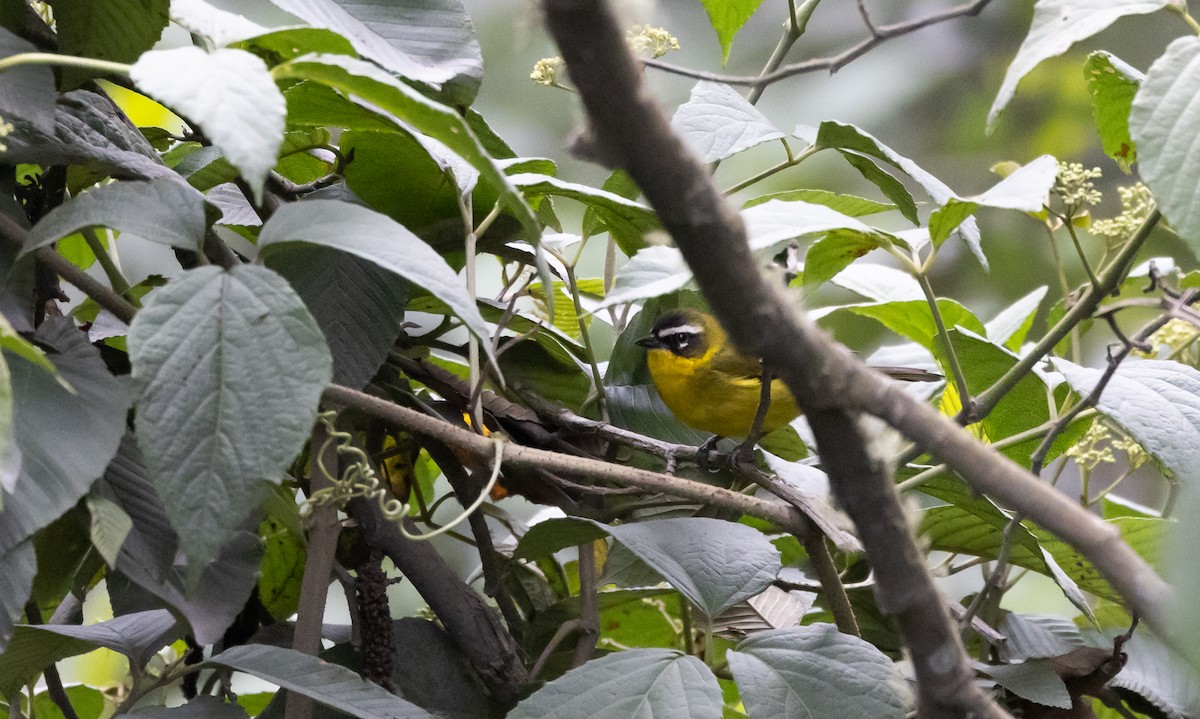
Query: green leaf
[
  {"x": 282, "y": 569},
  {"x": 358, "y": 304},
  {"x": 833, "y": 253},
  {"x": 378, "y": 239},
  {"x": 86, "y": 701},
  {"x": 1057, "y": 25},
  {"x": 369, "y": 83},
  {"x": 848, "y": 138},
  {"x": 1038, "y": 637},
  {"x": 647, "y": 683},
  {"x": 26, "y": 91},
  {"x": 201, "y": 707},
  {"x": 161, "y": 210},
  {"x": 114, "y": 30},
  {"x": 1162, "y": 123},
  {"x": 652, "y": 272},
  {"x": 775, "y": 222},
  {"x": 1157, "y": 403},
  {"x": 229, "y": 94},
  {"x": 618, "y": 183},
  {"x": 913, "y": 319},
  {"x": 17, "y": 568},
  {"x": 727, "y": 17},
  {"x": 717, "y": 122},
  {"x": 328, "y": 684},
  {"x": 1156, "y": 674},
  {"x": 255, "y": 365},
  {"x": 1025, "y": 190},
  {"x": 1112, "y": 85},
  {"x": 849, "y": 205},
  {"x": 431, "y": 41},
  {"x": 221, "y": 27},
  {"x": 91, "y": 413},
  {"x": 544, "y": 366},
  {"x": 1011, "y": 325},
  {"x": 289, "y": 43},
  {"x": 714, "y": 563},
  {"x": 1024, "y": 407},
  {"x": 626, "y": 220},
  {"x": 1034, "y": 680},
  {"x": 34, "y": 647},
  {"x": 442, "y": 681},
  {"x": 816, "y": 671},
  {"x": 88, "y": 130},
  {"x": 1146, "y": 536},
  {"x": 555, "y": 534},
  {"x": 891, "y": 188},
  {"x": 110, "y": 527}
]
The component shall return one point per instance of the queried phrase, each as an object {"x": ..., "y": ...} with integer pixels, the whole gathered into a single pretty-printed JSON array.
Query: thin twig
[{"x": 834, "y": 63}]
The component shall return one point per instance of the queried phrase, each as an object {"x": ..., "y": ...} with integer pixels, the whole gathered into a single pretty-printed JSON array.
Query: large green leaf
[
  {"x": 26, "y": 92},
  {"x": 367, "y": 82},
  {"x": 358, "y": 304},
  {"x": 1024, "y": 407},
  {"x": 328, "y": 684},
  {"x": 17, "y": 567},
  {"x": 229, "y": 94},
  {"x": 378, "y": 239},
  {"x": 1162, "y": 123},
  {"x": 727, "y": 17},
  {"x": 714, "y": 563},
  {"x": 1112, "y": 84},
  {"x": 816, "y": 671},
  {"x": 643, "y": 683},
  {"x": 430, "y": 41},
  {"x": 34, "y": 647},
  {"x": 717, "y": 122},
  {"x": 1057, "y": 25},
  {"x": 913, "y": 319},
  {"x": 159, "y": 210},
  {"x": 85, "y": 403},
  {"x": 116, "y": 30},
  {"x": 230, "y": 366},
  {"x": 88, "y": 130}
]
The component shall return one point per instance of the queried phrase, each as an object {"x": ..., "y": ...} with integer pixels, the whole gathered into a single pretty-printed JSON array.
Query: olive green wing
[{"x": 736, "y": 365}]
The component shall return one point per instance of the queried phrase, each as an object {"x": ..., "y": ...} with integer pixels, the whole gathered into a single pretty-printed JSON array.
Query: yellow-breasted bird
[{"x": 711, "y": 386}]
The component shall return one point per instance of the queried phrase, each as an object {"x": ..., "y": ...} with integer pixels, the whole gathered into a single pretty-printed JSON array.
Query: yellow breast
[{"x": 714, "y": 401}]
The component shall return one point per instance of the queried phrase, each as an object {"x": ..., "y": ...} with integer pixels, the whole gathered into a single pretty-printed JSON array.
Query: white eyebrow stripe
[{"x": 680, "y": 330}]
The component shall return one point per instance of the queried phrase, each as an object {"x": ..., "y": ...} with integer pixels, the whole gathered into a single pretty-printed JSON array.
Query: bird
[{"x": 711, "y": 386}]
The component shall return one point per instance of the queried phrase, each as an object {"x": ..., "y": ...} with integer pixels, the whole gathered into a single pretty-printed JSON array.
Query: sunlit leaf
[
  {"x": 717, "y": 122},
  {"x": 1057, "y": 25},
  {"x": 1112, "y": 84}
]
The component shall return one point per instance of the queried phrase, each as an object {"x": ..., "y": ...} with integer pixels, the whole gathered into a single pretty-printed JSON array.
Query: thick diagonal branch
[{"x": 827, "y": 379}]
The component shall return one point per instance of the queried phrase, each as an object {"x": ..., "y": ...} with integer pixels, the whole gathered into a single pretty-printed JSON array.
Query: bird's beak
[{"x": 649, "y": 342}]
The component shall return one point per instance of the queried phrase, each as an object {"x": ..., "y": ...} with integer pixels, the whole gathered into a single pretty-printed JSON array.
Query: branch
[
  {"x": 474, "y": 627},
  {"x": 593, "y": 470},
  {"x": 15, "y": 236},
  {"x": 879, "y": 35},
  {"x": 825, "y": 377},
  {"x": 323, "y": 531}
]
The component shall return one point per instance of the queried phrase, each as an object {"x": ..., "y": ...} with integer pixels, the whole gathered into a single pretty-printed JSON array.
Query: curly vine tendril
[{"x": 360, "y": 480}]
